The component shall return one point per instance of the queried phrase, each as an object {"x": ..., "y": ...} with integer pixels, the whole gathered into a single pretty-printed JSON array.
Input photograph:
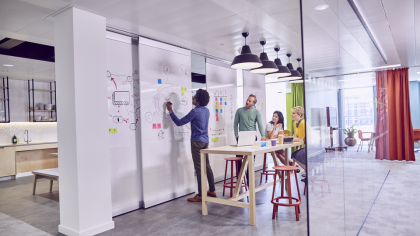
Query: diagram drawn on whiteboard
[
  {"x": 165, "y": 93},
  {"x": 124, "y": 98}
]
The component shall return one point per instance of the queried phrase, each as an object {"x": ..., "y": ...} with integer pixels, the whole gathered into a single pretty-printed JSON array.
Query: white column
[{"x": 84, "y": 160}]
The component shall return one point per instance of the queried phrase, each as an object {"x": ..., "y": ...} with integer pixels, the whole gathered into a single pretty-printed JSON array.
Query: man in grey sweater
[{"x": 247, "y": 117}]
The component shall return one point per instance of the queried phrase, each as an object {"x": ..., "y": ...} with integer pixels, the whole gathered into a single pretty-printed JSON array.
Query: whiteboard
[
  {"x": 221, "y": 85},
  {"x": 123, "y": 113},
  {"x": 165, "y": 75},
  {"x": 255, "y": 84}
]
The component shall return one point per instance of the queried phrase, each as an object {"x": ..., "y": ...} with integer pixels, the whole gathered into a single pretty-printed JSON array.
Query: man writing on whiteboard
[
  {"x": 199, "y": 118},
  {"x": 246, "y": 117}
]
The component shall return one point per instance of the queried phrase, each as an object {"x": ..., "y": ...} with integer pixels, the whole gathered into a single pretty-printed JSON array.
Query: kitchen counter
[{"x": 25, "y": 144}]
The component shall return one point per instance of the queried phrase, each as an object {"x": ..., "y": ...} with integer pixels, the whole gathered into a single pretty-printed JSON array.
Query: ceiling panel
[
  {"x": 38, "y": 28},
  {"x": 8, "y": 6},
  {"x": 23, "y": 16}
]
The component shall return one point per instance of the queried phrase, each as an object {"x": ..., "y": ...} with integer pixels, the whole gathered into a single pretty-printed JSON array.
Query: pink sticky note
[
  {"x": 216, "y": 98},
  {"x": 154, "y": 126},
  {"x": 221, "y": 103},
  {"x": 159, "y": 126}
]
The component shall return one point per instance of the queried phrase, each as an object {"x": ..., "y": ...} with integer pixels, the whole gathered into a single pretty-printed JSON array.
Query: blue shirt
[{"x": 199, "y": 118}]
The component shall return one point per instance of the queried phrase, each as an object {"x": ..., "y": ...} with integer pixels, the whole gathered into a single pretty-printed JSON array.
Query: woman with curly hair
[{"x": 199, "y": 118}]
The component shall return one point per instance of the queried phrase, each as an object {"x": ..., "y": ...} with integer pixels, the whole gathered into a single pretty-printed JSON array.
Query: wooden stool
[
  {"x": 51, "y": 174},
  {"x": 275, "y": 201},
  {"x": 266, "y": 172},
  {"x": 232, "y": 184}
]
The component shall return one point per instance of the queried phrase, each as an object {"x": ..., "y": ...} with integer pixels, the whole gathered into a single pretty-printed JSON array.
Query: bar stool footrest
[{"x": 298, "y": 202}]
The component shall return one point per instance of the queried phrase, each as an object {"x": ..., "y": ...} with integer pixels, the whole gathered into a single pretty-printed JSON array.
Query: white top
[{"x": 270, "y": 127}]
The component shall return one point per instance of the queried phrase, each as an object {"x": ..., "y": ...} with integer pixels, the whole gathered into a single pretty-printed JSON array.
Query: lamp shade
[
  {"x": 296, "y": 81},
  {"x": 282, "y": 71},
  {"x": 267, "y": 65},
  {"x": 295, "y": 74},
  {"x": 246, "y": 60}
]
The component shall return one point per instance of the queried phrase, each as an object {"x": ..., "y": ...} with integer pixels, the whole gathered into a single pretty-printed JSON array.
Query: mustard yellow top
[{"x": 300, "y": 131}]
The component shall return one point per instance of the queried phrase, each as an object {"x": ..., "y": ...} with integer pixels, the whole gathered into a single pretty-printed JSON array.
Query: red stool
[
  {"x": 232, "y": 184},
  {"x": 264, "y": 171},
  {"x": 275, "y": 201}
]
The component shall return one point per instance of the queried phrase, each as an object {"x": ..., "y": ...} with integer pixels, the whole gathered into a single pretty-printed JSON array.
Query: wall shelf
[
  {"x": 31, "y": 96},
  {"x": 6, "y": 105}
]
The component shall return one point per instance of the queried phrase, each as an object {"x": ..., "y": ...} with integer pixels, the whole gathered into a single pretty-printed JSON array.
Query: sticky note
[
  {"x": 112, "y": 130},
  {"x": 216, "y": 99},
  {"x": 221, "y": 103},
  {"x": 221, "y": 99},
  {"x": 221, "y": 110},
  {"x": 225, "y": 103},
  {"x": 217, "y": 110},
  {"x": 159, "y": 81},
  {"x": 154, "y": 126},
  {"x": 159, "y": 126},
  {"x": 262, "y": 105},
  {"x": 225, "y": 99},
  {"x": 182, "y": 93}
]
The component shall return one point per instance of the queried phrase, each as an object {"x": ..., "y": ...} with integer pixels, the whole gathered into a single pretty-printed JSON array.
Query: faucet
[{"x": 27, "y": 136}]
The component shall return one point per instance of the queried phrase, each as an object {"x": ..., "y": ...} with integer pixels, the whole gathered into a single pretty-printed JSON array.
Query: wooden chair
[
  {"x": 362, "y": 140},
  {"x": 417, "y": 136}
]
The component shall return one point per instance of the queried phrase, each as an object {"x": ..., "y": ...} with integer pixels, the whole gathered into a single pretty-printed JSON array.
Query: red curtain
[
  {"x": 381, "y": 133},
  {"x": 401, "y": 133}
]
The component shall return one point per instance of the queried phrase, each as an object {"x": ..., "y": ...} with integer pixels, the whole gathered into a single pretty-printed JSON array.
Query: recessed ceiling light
[
  {"x": 7, "y": 65},
  {"x": 376, "y": 68},
  {"x": 321, "y": 7}
]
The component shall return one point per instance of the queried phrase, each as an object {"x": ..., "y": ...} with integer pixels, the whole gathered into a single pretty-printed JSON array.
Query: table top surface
[
  {"x": 249, "y": 150},
  {"x": 50, "y": 172}
]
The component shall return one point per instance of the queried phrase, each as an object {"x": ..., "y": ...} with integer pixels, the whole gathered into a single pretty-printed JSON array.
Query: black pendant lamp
[
  {"x": 299, "y": 69},
  {"x": 246, "y": 60},
  {"x": 267, "y": 65},
  {"x": 283, "y": 70},
  {"x": 295, "y": 74}
]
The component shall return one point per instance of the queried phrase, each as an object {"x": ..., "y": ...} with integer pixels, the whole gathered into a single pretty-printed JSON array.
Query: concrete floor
[{"x": 355, "y": 179}]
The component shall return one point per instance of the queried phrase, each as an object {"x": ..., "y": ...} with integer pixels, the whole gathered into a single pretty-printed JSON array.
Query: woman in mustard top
[{"x": 299, "y": 127}]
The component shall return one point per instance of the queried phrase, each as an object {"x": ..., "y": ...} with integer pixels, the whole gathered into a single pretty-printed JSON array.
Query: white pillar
[{"x": 84, "y": 160}]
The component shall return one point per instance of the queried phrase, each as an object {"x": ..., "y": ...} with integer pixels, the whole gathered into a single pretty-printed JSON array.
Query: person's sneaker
[
  {"x": 303, "y": 175},
  {"x": 211, "y": 194},
  {"x": 303, "y": 180},
  {"x": 195, "y": 199}
]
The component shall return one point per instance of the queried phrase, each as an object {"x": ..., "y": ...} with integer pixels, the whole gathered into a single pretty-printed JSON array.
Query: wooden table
[
  {"x": 248, "y": 152},
  {"x": 53, "y": 154}
]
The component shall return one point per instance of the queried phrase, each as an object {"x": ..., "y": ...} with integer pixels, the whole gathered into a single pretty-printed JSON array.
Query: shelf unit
[
  {"x": 31, "y": 93},
  {"x": 5, "y": 99}
]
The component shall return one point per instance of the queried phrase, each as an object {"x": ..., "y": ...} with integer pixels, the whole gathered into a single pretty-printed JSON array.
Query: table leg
[
  {"x": 276, "y": 162},
  {"x": 287, "y": 156},
  {"x": 203, "y": 183},
  {"x": 252, "y": 210},
  {"x": 241, "y": 176},
  {"x": 34, "y": 186},
  {"x": 51, "y": 184}
]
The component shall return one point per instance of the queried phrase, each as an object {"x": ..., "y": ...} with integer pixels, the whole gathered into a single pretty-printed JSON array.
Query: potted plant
[{"x": 350, "y": 140}]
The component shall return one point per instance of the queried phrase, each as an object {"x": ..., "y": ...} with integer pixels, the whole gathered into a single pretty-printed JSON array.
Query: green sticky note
[
  {"x": 185, "y": 89},
  {"x": 262, "y": 105},
  {"x": 215, "y": 106},
  {"x": 217, "y": 139},
  {"x": 182, "y": 93},
  {"x": 112, "y": 130},
  {"x": 225, "y": 99},
  {"x": 221, "y": 107}
]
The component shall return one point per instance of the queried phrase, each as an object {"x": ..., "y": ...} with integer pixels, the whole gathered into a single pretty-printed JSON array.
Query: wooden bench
[{"x": 51, "y": 174}]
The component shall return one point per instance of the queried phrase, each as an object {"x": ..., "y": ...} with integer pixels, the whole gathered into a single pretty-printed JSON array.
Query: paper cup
[
  {"x": 273, "y": 142},
  {"x": 281, "y": 138}
]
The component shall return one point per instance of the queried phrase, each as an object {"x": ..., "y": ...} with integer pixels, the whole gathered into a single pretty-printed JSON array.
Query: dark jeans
[
  {"x": 196, "y": 146},
  {"x": 240, "y": 165}
]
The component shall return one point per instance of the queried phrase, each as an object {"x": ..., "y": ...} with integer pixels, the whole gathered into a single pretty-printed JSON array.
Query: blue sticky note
[
  {"x": 217, "y": 110},
  {"x": 159, "y": 81},
  {"x": 255, "y": 106},
  {"x": 221, "y": 99},
  {"x": 221, "y": 110},
  {"x": 225, "y": 103}
]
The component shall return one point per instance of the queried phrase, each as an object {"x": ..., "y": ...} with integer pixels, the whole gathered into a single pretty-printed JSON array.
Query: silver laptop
[{"x": 246, "y": 138}]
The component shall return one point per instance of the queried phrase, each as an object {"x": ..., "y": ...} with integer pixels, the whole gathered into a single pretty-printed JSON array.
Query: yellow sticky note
[
  {"x": 185, "y": 89},
  {"x": 182, "y": 93},
  {"x": 262, "y": 105},
  {"x": 112, "y": 130},
  {"x": 217, "y": 139},
  {"x": 225, "y": 99},
  {"x": 221, "y": 107},
  {"x": 215, "y": 106}
]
